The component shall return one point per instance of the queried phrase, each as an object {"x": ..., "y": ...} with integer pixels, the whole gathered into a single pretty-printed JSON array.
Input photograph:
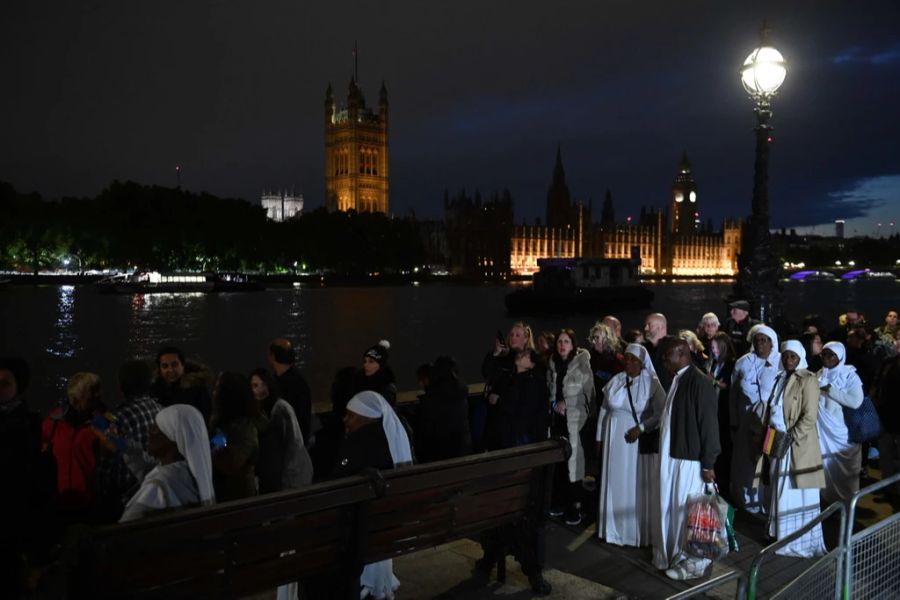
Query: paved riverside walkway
[{"x": 579, "y": 565}]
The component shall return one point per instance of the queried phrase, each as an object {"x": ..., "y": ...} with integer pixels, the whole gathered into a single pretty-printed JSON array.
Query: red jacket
[{"x": 74, "y": 448}]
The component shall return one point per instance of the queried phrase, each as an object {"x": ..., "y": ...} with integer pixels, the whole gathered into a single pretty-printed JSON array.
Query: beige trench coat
[{"x": 801, "y": 410}]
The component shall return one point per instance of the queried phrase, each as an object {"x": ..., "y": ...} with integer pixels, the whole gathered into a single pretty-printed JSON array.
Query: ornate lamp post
[{"x": 759, "y": 268}]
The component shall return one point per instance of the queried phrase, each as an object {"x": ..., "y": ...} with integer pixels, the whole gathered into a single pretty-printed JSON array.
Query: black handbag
[{"x": 648, "y": 441}]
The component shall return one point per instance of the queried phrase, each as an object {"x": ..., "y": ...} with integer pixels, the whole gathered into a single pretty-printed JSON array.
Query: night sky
[{"x": 480, "y": 95}]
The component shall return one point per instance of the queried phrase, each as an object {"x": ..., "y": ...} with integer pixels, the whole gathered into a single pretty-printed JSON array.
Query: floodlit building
[
  {"x": 281, "y": 206},
  {"x": 356, "y": 152},
  {"x": 678, "y": 245}
]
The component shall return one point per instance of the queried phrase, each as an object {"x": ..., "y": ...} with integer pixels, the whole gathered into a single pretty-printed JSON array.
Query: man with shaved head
[
  {"x": 292, "y": 387},
  {"x": 688, "y": 447},
  {"x": 614, "y": 324},
  {"x": 655, "y": 330}
]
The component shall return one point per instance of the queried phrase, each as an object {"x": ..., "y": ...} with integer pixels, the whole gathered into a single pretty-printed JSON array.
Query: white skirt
[
  {"x": 842, "y": 460},
  {"x": 790, "y": 509},
  {"x": 629, "y": 486}
]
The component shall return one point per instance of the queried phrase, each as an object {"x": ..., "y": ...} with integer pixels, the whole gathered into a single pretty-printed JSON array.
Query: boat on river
[
  {"x": 153, "y": 282},
  {"x": 573, "y": 285}
]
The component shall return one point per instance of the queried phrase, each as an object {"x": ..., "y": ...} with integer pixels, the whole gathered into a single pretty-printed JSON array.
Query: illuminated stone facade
[
  {"x": 281, "y": 206},
  {"x": 356, "y": 153},
  {"x": 677, "y": 247}
]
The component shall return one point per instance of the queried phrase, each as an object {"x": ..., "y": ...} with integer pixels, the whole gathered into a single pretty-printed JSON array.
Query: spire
[
  {"x": 382, "y": 94},
  {"x": 685, "y": 163},
  {"x": 560, "y": 212},
  {"x": 559, "y": 173}
]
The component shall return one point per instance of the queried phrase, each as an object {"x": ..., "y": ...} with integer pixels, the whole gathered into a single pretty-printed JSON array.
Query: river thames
[{"x": 64, "y": 329}]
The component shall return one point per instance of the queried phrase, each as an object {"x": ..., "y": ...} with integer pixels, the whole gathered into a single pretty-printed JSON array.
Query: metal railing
[
  {"x": 865, "y": 564},
  {"x": 872, "y": 565},
  {"x": 713, "y": 583},
  {"x": 825, "y": 572}
]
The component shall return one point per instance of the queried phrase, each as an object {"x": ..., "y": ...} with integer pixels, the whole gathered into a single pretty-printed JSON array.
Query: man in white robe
[{"x": 688, "y": 447}]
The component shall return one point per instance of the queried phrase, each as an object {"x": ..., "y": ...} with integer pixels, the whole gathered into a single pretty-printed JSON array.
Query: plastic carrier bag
[{"x": 706, "y": 534}]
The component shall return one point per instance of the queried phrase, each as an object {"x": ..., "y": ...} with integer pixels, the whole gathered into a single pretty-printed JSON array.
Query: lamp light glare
[{"x": 763, "y": 72}]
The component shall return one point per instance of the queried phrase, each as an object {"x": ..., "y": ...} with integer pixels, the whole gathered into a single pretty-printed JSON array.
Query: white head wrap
[
  {"x": 841, "y": 375},
  {"x": 374, "y": 406},
  {"x": 640, "y": 353},
  {"x": 797, "y": 348},
  {"x": 641, "y": 386},
  {"x": 753, "y": 331},
  {"x": 766, "y": 331},
  {"x": 184, "y": 425}
]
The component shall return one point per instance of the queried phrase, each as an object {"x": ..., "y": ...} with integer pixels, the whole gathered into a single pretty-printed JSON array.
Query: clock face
[
  {"x": 679, "y": 197},
  {"x": 693, "y": 196}
]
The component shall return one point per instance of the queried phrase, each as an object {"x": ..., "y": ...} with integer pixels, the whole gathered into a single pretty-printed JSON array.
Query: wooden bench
[{"x": 328, "y": 530}]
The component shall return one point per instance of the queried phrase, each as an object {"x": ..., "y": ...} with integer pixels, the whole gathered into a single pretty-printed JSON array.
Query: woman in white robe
[
  {"x": 377, "y": 579},
  {"x": 183, "y": 477},
  {"x": 629, "y": 481},
  {"x": 795, "y": 479},
  {"x": 751, "y": 386},
  {"x": 839, "y": 387}
]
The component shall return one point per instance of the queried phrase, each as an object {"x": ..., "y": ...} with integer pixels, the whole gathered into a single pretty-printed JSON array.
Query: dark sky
[{"x": 480, "y": 92}]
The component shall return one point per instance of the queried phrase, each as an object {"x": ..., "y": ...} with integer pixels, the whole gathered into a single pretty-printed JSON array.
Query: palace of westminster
[{"x": 479, "y": 238}]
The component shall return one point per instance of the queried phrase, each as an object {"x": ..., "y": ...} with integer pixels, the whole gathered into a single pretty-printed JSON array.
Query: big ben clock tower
[{"x": 685, "y": 211}]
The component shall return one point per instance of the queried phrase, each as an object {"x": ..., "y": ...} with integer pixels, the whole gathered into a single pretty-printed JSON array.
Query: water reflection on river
[{"x": 64, "y": 329}]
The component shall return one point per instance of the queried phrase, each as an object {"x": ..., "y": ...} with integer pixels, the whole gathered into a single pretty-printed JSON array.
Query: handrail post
[{"x": 847, "y": 530}]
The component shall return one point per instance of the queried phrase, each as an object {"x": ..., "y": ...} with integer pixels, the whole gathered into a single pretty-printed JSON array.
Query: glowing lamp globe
[{"x": 763, "y": 72}]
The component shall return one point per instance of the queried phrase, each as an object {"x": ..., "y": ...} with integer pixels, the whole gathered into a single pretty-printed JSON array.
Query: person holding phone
[{"x": 498, "y": 365}]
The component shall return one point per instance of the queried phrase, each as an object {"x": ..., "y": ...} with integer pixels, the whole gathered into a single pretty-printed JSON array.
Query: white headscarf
[
  {"x": 640, "y": 353},
  {"x": 797, "y": 348},
  {"x": 766, "y": 331},
  {"x": 842, "y": 375},
  {"x": 374, "y": 406},
  {"x": 184, "y": 425},
  {"x": 641, "y": 386},
  {"x": 752, "y": 332}
]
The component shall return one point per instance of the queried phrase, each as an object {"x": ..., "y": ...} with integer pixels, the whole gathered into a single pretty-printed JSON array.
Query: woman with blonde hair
[
  {"x": 68, "y": 436},
  {"x": 606, "y": 359},
  {"x": 698, "y": 354},
  {"x": 498, "y": 365}
]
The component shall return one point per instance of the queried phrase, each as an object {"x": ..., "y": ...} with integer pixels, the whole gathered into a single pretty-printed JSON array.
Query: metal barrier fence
[
  {"x": 713, "y": 583},
  {"x": 824, "y": 576},
  {"x": 872, "y": 567},
  {"x": 865, "y": 564},
  {"x": 821, "y": 580}
]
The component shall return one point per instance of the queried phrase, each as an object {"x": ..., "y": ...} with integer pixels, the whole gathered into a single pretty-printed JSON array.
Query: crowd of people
[
  {"x": 667, "y": 415},
  {"x": 720, "y": 408}
]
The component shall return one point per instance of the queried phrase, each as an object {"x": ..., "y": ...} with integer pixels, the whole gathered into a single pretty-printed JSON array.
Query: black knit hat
[{"x": 379, "y": 352}]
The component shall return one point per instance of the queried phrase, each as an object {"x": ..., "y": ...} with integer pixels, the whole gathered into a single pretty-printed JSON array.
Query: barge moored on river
[
  {"x": 573, "y": 285},
  {"x": 153, "y": 282}
]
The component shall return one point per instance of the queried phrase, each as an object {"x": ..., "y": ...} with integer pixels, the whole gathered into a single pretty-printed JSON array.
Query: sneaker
[
  {"x": 685, "y": 570},
  {"x": 573, "y": 515},
  {"x": 557, "y": 512}
]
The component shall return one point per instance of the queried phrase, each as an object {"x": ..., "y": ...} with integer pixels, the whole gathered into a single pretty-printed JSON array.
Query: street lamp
[{"x": 762, "y": 74}]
